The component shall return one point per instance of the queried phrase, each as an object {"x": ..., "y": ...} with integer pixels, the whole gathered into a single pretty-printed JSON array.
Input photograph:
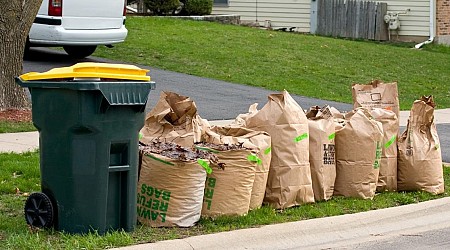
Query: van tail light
[
  {"x": 55, "y": 7},
  {"x": 125, "y": 8}
]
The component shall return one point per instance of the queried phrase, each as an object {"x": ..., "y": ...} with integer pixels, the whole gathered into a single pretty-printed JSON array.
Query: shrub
[
  {"x": 198, "y": 7},
  {"x": 162, "y": 7}
]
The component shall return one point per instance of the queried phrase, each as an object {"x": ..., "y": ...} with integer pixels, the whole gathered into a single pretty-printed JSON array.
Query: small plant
[
  {"x": 198, "y": 7},
  {"x": 162, "y": 7}
]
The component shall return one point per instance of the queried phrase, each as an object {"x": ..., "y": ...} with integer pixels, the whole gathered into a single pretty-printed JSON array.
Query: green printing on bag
[
  {"x": 152, "y": 202},
  {"x": 209, "y": 191},
  {"x": 389, "y": 143},
  {"x": 254, "y": 158},
  {"x": 332, "y": 136},
  {"x": 268, "y": 150},
  {"x": 301, "y": 137},
  {"x": 160, "y": 160},
  {"x": 205, "y": 165},
  {"x": 377, "y": 162}
]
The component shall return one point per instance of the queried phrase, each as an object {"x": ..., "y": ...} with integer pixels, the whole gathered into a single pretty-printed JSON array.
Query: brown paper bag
[
  {"x": 322, "y": 152},
  {"x": 170, "y": 192},
  {"x": 174, "y": 119},
  {"x": 387, "y": 179},
  {"x": 358, "y": 153},
  {"x": 241, "y": 119},
  {"x": 376, "y": 94},
  {"x": 258, "y": 140},
  {"x": 228, "y": 191},
  {"x": 419, "y": 153},
  {"x": 289, "y": 181}
]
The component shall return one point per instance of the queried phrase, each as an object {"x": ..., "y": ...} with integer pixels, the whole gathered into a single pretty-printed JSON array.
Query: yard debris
[
  {"x": 15, "y": 115},
  {"x": 174, "y": 119},
  {"x": 174, "y": 151},
  {"x": 376, "y": 94},
  {"x": 289, "y": 182},
  {"x": 419, "y": 151},
  {"x": 322, "y": 154},
  {"x": 358, "y": 155}
]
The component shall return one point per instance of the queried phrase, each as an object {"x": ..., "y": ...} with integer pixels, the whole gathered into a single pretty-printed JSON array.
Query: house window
[{"x": 221, "y": 2}]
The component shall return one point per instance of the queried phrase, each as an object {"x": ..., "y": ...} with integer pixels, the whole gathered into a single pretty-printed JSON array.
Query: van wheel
[
  {"x": 79, "y": 52},
  {"x": 26, "y": 52}
]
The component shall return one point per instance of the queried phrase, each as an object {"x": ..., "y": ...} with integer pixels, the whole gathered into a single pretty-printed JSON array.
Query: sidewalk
[
  {"x": 22, "y": 142},
  {"x": 337, "y": 232}
]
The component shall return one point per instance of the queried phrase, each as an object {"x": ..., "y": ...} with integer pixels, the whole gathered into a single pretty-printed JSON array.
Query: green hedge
[
  {"x": 162, "y": 7},
  {"x": 198, "y": 7}
]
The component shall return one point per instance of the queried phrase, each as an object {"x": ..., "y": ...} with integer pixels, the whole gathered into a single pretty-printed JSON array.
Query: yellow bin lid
[{"x": 92, "y": 70}]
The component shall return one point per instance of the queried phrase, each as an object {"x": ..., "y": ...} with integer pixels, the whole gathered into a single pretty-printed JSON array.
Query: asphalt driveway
[{"x": 215, "y": 100}]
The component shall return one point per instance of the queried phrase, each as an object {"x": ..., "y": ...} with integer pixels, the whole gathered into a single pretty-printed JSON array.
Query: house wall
[
  {"x": 416, "y": 21},
  {"x": 415, "y": 24},
  {"x": 281, "y": 13},
  {"x": 443, "y": 21}
]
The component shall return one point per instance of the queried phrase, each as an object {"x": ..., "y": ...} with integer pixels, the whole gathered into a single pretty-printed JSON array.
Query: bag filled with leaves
[
  {"x": 387, "y": 178},
  {"x": 376, "y": 94},
  {"x": 171, "y": 184},
  {"x": 289, "y": 182},
  {"x": 258, "y": 140},
  {"x": 229, "y": 188},
  {"x": 358, "y": 154},
  {"x": 322, "y": 151},
  {"x": 419, "y": 152},
  {"x": 174, "y": 119}
]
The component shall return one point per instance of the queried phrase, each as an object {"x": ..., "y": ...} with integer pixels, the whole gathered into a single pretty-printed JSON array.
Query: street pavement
[{"x": 217, "y": 100}]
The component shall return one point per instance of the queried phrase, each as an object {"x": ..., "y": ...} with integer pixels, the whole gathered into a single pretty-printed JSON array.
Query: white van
[{"x": 78, "y": 25}]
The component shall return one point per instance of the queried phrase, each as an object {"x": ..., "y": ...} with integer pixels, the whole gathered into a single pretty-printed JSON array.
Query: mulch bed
[{"x": 15, "y": 115}]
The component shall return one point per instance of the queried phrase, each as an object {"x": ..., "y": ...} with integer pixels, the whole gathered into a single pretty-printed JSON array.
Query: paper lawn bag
[
  {"x": 174, "y": 119},
  {"x": 358, "y": 153},
  {"x": 258, "y": 140},
  {"x": 289, "y": 183},
  {"x": 228, "y": 190},
  {"x": 170, "y": 192},
  {"x": 376, "y": 94},
  {"x": 387, "y": 179},
  {"x": 419, "y": 153},
  {"x": 322, "y": 152}
]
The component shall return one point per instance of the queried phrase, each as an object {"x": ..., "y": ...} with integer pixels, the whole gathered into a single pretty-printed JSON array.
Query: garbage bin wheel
[
  {"x": 39, "y": 210},
  {"x": 80, "y": 52}
]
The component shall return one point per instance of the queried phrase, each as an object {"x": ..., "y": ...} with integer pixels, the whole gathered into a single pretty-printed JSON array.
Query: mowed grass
[
  {"x": 15, "y": 127},
  {"x": 307, "y": 65},
  {"x": 20, "y": 176}
]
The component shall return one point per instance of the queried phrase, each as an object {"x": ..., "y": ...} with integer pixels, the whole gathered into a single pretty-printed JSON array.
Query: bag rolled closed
[{"x": 358, "y": 153}]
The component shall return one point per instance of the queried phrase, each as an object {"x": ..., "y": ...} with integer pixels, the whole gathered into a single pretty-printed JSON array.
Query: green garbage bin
[{"x": 88, "y": 116}]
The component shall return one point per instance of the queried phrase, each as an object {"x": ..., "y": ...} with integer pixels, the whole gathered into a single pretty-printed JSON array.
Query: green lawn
[
  {"x": 20, "y": 175},
  {"x": 303, "y": 64},
  {"x": 14, "y": 127}
]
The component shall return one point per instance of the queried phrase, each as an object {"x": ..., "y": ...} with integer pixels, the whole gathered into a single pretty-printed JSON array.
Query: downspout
[{"x": 432, "y": 24}]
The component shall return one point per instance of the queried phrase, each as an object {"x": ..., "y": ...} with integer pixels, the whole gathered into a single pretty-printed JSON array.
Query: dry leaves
[{"x": 15, "y": 115}]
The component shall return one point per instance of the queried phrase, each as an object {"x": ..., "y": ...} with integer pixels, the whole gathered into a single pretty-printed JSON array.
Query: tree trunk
[{"x": 16, "y": 18}]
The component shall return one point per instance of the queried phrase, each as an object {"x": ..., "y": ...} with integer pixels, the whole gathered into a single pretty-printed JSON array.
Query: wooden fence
[{"x": 352, "y": 19}]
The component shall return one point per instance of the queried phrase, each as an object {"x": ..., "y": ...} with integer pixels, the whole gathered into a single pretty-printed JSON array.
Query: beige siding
[
  {"x": 417, "y": 21},
  {"x": 281, "y": 13},
  {"x": 296, "y": 13}
]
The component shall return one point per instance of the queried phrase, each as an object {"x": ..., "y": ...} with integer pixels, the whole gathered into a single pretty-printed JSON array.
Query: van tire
[
  {"x": 26, "y": 51},
  {"x": 79, "y": 52}
]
